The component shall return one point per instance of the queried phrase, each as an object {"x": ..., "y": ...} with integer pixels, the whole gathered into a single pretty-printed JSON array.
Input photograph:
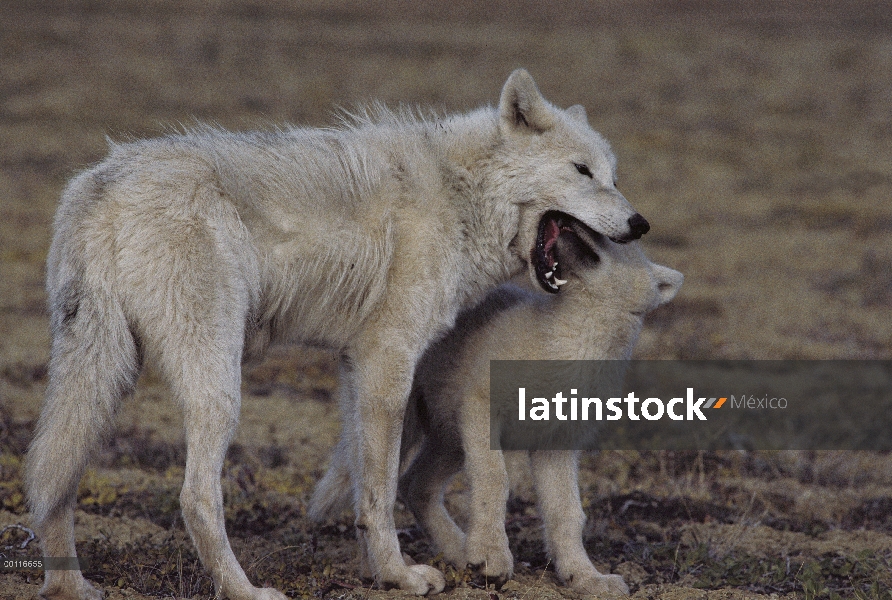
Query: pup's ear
[
  {"x": 668, "y": 283},
  {"x": 522, "y": 107},
  {"x": 577, "y": 111}
]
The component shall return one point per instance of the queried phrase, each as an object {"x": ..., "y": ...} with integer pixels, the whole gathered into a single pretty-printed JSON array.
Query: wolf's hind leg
[
  {"x": 206, "y": 377},
  {"x": 195, "y": 330},
  {"x": 557, "y": 488},
  {"x": 94, "y": 362}
]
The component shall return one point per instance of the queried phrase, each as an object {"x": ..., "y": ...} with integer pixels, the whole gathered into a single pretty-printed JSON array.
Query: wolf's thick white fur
[
  {"x": 198, "y": 249},
  {"x": 597, "y": 316}
]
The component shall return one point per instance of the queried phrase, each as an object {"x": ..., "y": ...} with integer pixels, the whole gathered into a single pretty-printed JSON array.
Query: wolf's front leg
[
  {"x": 557, "y": 488},
  {"x": 383, "y": 386}
]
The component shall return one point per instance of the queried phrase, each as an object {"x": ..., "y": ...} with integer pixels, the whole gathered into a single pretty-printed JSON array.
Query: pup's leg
[
  {"x": 382, "y": 384},
  {"x": 486, "y": 546},
  {"x": 94, "y": 363},
  {"x": 421, "y": 488},
  {"x": 555, "y": 477}
]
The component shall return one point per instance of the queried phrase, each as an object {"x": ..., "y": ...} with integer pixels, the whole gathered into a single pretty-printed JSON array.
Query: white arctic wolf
[
  {"x": 198, "y": 249},
  {"x": 597, "y": 316}
]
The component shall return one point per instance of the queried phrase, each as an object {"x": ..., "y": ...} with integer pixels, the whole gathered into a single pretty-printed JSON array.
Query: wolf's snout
[{"x": 638, "y": 226}]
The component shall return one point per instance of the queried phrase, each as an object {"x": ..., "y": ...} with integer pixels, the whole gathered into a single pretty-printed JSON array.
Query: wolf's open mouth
[{"x": 543, "y": 256}]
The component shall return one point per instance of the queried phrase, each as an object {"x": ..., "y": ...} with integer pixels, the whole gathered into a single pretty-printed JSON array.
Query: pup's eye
[{"x": 583, "y": 170}]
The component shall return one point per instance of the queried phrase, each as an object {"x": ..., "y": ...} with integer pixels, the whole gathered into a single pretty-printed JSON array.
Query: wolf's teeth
[
  {"x": 549, "y": 274},
  {"x": 554, "y": 266},
  {"x": 560, "y": 282}
]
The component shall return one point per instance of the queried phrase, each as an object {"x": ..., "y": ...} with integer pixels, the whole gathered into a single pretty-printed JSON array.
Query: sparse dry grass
[{"x": 756, "y": 139}]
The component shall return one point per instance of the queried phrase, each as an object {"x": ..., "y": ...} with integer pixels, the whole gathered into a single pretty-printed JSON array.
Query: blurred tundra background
[{"x": 756, "y": 137}]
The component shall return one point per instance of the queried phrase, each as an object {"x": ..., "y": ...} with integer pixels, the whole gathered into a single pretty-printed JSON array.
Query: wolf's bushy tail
[
  {"x": 334, "y": 492},
  {"x": 93, "y": 364},
  {"x": 94, "y": 361}
]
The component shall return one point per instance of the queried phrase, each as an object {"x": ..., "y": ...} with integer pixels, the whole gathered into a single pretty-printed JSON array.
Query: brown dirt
[{"x": 756, "y": 138}]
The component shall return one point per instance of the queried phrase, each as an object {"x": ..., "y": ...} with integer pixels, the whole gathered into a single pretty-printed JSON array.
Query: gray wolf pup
[
  {"x": 199, "y": 249},
  {"x": 597, "y": 316}
]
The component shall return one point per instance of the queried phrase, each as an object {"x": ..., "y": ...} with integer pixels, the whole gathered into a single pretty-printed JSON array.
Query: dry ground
[{"x": 756, "y": 138}]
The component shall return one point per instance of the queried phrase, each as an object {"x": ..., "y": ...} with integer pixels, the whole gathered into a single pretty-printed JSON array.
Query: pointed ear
[
  {"x": 522, "y": 108},
  {"x": 668, "y": 283},
  {"x": 577, "y": 111}
]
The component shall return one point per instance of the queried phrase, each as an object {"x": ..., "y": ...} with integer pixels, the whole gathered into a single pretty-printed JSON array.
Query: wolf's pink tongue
[{"x": 551, "y": 234}]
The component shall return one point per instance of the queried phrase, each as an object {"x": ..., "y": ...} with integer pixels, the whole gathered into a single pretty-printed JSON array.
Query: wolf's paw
[
  {"x": 70, "y": 586},
  {"x": 254, "y": 593},
  {"x": 599, "y": 585},
  {"x": 490, "y": 557},
  {"x": 268, "y": 594},
  {"x": 420, "y": 580}
]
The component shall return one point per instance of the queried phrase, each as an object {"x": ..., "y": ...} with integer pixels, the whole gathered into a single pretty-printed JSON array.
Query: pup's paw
[
  {"x": 490, "y": 557},
  {"x": 599, "y": 585},
  {"x": 420, "y": 580},
  {"x": 450, "y": 540}
]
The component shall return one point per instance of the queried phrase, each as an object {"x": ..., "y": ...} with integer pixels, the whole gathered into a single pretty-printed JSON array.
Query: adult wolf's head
[{"x": 557, "y": 169}]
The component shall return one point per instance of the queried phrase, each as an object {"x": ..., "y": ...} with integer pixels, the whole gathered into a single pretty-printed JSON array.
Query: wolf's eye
[{"x": 583, "y": 170}]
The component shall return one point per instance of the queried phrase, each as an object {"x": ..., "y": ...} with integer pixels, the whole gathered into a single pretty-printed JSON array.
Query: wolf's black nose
[{"x": 638, "y": 225}]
